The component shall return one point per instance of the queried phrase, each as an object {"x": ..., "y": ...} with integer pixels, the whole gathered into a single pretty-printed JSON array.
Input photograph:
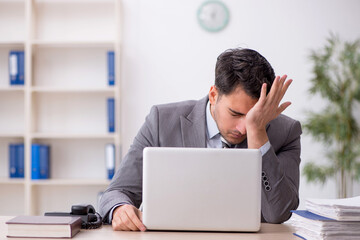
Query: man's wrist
[
  {"x": 113, "y": 210},
  {"x": 256, "y": 138}
]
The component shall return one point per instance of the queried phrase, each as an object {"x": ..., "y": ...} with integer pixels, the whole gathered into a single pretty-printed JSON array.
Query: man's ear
[{"x": 213, "y": 95}]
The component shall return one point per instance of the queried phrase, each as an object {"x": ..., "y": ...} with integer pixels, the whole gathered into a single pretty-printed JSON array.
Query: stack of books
[{"x": 328, "y": 219}]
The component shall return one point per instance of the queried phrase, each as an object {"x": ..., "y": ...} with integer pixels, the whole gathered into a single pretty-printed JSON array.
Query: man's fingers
[
  {"x": 116, "y": 224},
  {"x": 285, "y": 87},
  {"x": 282, "y": 79},
  {"x": 282, "y": 92},
  {"x": 283, "y": 107},
  {"x": 127, "y": 217},
  {"x": 135, "y": 216},
  {"x": 274, "y": 86},
  {"x": 272, "y": 97},
  {"x": 279, "y": 89},
  {"x": 127, "y": 221},
  {"x": 263, "y": 93}
]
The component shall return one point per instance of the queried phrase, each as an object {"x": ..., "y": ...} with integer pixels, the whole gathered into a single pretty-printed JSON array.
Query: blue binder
[
  {"x": 111, "y": 67},
  {"x": 40, "y": 161},
  {"x": 44, "y": 154},
  {"x": 16, "y": 67},
  {"x": 111, "y": 114},
  {"x": 35, "y": 161},
  {"x": 21, "y": 67},
  {"x": 13, "y": 67},
  {"x": 12, "y": 161},
  {"x": 20, "y": 160}
]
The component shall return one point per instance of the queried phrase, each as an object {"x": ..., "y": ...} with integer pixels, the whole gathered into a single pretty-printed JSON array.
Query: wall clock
[{"x": 213, "y": 15}]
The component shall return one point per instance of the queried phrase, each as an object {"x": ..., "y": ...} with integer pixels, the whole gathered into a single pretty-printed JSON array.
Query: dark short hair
[{"x": 245, "y": 68}]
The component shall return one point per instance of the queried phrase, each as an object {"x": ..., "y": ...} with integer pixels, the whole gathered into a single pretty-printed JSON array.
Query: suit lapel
[{"x": 193, "y": 126}]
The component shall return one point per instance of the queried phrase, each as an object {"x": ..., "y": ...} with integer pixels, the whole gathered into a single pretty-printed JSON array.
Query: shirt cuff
[{"x": 265, "y": 148}]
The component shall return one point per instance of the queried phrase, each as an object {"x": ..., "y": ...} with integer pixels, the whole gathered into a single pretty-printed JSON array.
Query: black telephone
[{"x": 90, "y": 218}]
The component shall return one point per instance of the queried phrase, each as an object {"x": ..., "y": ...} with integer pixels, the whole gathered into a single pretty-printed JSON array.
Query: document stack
[{"x": 328, "y": 219}]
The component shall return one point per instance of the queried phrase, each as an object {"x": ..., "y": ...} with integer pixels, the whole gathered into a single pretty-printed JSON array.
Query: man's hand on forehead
[
  {"x": 268, "y": 106},
  {"x": 266, "y": 109}
]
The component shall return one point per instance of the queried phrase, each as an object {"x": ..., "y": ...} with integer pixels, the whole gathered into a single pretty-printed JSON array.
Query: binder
[
  {"x": 12, "y": 161},
  {"x": 40, "y": 161},
  {"x": 16, "y": 160},
  {"x": 35, "y": 161},
  {"x": 13, "y": 67},
  {"x": 111, "y": 68},
  {"x": 20, "y": 160},
  {"x": 110, "y": 160},
  {"x": 111, "y": 114},
  {"x": 16, "y": 67},
  {"x": 44, "y": 153},
  {"x": 21, "y": 67}
]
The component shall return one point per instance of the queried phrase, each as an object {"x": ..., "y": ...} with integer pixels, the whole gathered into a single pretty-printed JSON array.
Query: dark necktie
[{"x": 226, "y": 145}]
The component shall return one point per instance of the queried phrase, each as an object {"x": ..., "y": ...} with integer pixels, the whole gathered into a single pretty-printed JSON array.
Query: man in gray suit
[{"x": 242, "y": 110}]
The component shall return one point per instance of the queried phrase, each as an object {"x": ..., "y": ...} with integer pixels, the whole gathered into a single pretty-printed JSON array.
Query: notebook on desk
[{"x": 202, "y": 189}]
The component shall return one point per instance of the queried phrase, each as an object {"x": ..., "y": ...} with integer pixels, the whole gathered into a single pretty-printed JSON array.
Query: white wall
[{"x": 167, "y": 57}]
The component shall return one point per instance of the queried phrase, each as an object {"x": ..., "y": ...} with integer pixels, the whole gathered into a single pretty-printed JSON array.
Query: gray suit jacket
[{"x": 183, "y": 124}]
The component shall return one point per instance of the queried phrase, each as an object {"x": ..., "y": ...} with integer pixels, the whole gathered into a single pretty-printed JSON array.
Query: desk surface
[{"x": 267, "y": 231}]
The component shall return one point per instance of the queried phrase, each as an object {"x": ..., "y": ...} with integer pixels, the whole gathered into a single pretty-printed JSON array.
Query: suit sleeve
[
  {"x": 280, "y": 178},
  {"x": 126, "y": 185}
]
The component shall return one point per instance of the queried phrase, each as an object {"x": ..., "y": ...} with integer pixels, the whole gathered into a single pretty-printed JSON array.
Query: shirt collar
[{"x": 212, "y": 128}]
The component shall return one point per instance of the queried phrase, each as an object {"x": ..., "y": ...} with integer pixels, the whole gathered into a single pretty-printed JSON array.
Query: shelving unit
[{"x": 63, "y": 102}]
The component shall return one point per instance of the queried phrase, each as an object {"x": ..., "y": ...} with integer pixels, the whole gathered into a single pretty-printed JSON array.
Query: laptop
[{"x": 202, "y": 189}]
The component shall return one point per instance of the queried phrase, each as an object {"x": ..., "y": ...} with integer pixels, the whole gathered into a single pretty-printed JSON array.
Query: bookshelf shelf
[
  {"x": 105, "y": 136},
  {"x": 12, "y": 135},
  {"x": 72, "y": 90},
  {"x": 70, "y": 182},
  {"x": 12, "y": 44},
  {"x": 73, "y": 44},
  {"x": 12, "y": 89},
  {"x": 63, "y": 102},
  {"x": 13, "y": 181}
]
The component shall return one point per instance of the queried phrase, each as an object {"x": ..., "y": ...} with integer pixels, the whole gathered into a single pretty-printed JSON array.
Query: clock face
[{"x": 213, "y": 16}]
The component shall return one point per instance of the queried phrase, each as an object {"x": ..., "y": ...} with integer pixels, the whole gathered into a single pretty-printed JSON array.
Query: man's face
[{"x": 229, "y": 112}]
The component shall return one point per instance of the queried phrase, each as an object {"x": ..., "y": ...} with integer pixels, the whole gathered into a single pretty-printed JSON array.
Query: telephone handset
[{"x": 90, "y": 218}]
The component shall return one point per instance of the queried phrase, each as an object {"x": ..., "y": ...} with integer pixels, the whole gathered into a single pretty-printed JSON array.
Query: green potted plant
[{"x": 336, "y": 69}]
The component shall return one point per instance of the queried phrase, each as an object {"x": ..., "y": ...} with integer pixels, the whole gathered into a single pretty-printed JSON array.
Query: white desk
[{"x": 267, "y": 231}]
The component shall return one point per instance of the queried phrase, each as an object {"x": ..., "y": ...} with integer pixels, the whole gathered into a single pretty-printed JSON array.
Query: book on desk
[{"x": 43, "y": 227}]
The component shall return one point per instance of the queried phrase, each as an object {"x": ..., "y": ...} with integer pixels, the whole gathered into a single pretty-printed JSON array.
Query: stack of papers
[
  {"x": 328, "y": 219},
  {"x": 345, "y": 209},
  {"x": 312, "y": 226}
]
